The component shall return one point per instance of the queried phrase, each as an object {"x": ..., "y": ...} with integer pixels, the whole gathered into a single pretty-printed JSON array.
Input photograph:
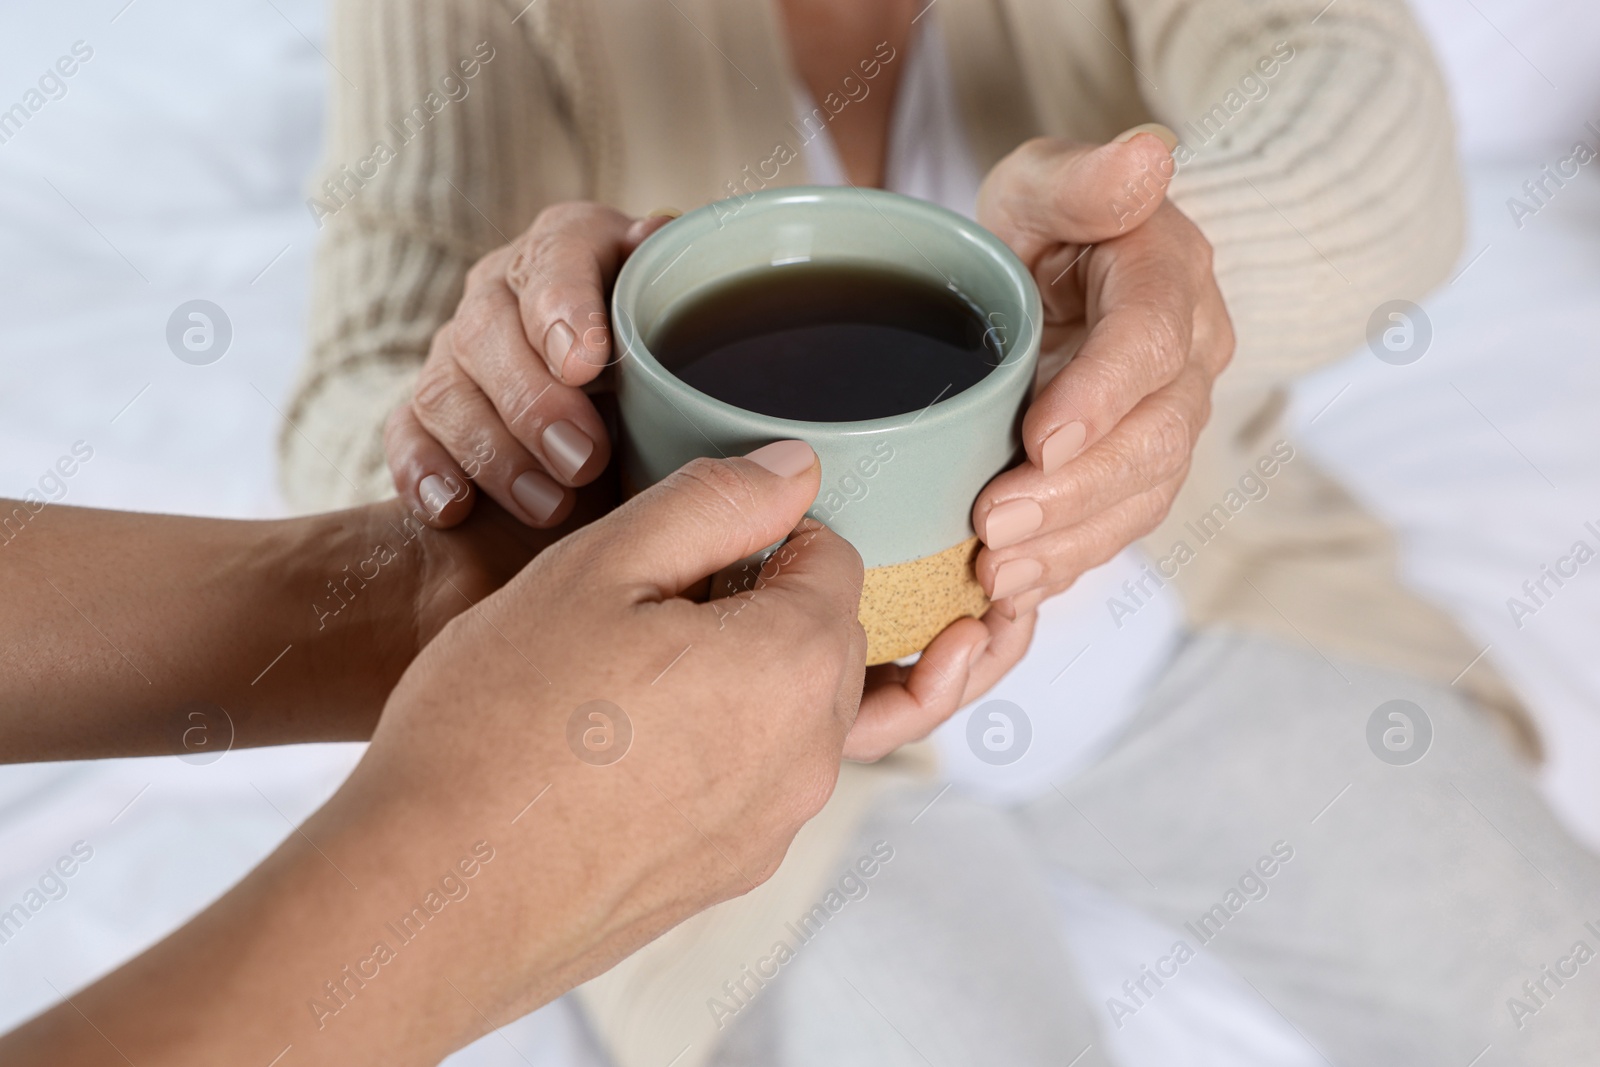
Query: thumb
[
  {"x": 702, "y": 517},
  {"x": 816, "y": 570},
  {"x": 1050, "y": 191}
]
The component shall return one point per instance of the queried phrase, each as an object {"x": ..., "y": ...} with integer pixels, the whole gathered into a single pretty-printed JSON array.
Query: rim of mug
[{"x": 675, "y": 237}]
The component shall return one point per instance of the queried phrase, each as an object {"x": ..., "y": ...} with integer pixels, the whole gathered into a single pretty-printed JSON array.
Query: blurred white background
[{"x": 172, "y": 169}]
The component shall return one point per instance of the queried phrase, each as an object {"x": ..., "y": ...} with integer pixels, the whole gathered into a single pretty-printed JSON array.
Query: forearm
[
  {"x": 129, "y": 634},
  {"x": 384, "y": 942},
  {"x": 278, "y": 963}
]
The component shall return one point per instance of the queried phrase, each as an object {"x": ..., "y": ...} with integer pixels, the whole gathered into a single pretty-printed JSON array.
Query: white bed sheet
[
  {"x": 171, "y": 170},
  {"x": 1504, "y": 476}
]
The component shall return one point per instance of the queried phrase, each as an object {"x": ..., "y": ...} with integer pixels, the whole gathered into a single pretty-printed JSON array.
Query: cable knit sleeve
[
  {"x": 446, "y": 133},
  {"x": 1316, "y": 153}
]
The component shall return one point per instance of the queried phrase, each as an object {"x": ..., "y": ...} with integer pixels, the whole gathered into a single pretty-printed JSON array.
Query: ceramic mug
[{"x": 900, "y": 489}]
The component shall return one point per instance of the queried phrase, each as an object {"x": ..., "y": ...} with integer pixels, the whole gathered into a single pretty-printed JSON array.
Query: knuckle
[
  {"x": 1202, "y": 416},
  {"x": 1154, "y": 505},
  {"x": 561, "y": 300},
  {"x": 398, "y": 427},
  {"x": 573, "y": 212},
  {"x": 550, "y": 254},
  {"x": 855, "y": 637},
  {"x": 531, "y": 410},
  {"x": 539, "y": 247},
  {"x": 1174, "y": 485},
  {"x": 472, "y": 330},
  {"x": 1161, "y": 504},
  {"x": 1199, "y": 249},
  {"x": 542, "y": 243},
  {"x": 437, "y": 390},
  {"x": 553, "y": 217},
  {"x": 1168, "y": 333},
  {"x": 395, "y": 424},
  {"x": 1153, "y": 510},
  {"x": 1073, "y": 488},
  {"x": 1134, "y": 519},
  {"x": 761, "y": 871},
  {"x": 399, "y": 442},
  {"x": 519, "y": 271},
  {"x": 1065, "y": 198},
  {"x": 1173, "y": 431},
  {"x": 827, "y": 633},
  {"x": 442, "y": 345},
  {"x": 556, "y": 223},
  {"x": 1226, "y": 339},
  {"x": 716, "y": 485},
  {"x": 1122, "y": 469},
  {"x": 1037, "y": 149},
  {"x": 814, "y": 793}
]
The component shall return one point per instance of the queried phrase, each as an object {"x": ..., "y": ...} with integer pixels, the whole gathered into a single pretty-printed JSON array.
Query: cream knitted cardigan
[{"x": 1317, "y": 158}]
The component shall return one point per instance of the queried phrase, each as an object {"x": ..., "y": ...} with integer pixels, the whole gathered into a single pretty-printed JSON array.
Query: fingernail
[
  {"x": 558, "y": 341},
  {"x": 664, "y": 213},
  {"x": 977, "y": 653},
  {"x": 1015, "y": 575},
  {"x": 1062, "y": 446},
  {"x": 435, "y": 494},
  {"x": 784, "y": 458},
  {"x": 1010, "y": 522},
  {"x": 1166, "y": 136},
  {"x": 537, "y": 495},
  {"x": 567, "y": 448}
]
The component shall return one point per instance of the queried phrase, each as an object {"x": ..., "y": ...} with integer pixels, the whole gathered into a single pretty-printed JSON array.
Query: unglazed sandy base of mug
[{"x": 905, "y": 605}]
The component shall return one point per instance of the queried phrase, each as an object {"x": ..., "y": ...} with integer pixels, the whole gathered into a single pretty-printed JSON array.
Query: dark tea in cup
[{"x": 828, "y": 342}]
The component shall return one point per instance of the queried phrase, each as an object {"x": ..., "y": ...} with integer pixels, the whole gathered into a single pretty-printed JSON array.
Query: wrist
[
  {"x": 351, "y": 582},
  {"x": 459, "y": 566}
]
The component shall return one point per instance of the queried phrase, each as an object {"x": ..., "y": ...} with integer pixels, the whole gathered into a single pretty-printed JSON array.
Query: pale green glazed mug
[{"x": 900, "y": 489}]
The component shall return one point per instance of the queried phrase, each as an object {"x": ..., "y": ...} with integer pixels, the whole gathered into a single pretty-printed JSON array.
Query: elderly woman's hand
[
  {"x": 1130, "y": 301},
  {"x": 499, "y": 402}
]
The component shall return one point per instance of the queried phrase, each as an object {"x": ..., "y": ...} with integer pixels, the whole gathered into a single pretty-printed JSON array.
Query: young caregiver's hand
[
  {"x": 737, "y": 721},
  {"x": 1134, "y": 334},
  {"x": 498, "y": 403},
  {"x": 576, "y": 764}
]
